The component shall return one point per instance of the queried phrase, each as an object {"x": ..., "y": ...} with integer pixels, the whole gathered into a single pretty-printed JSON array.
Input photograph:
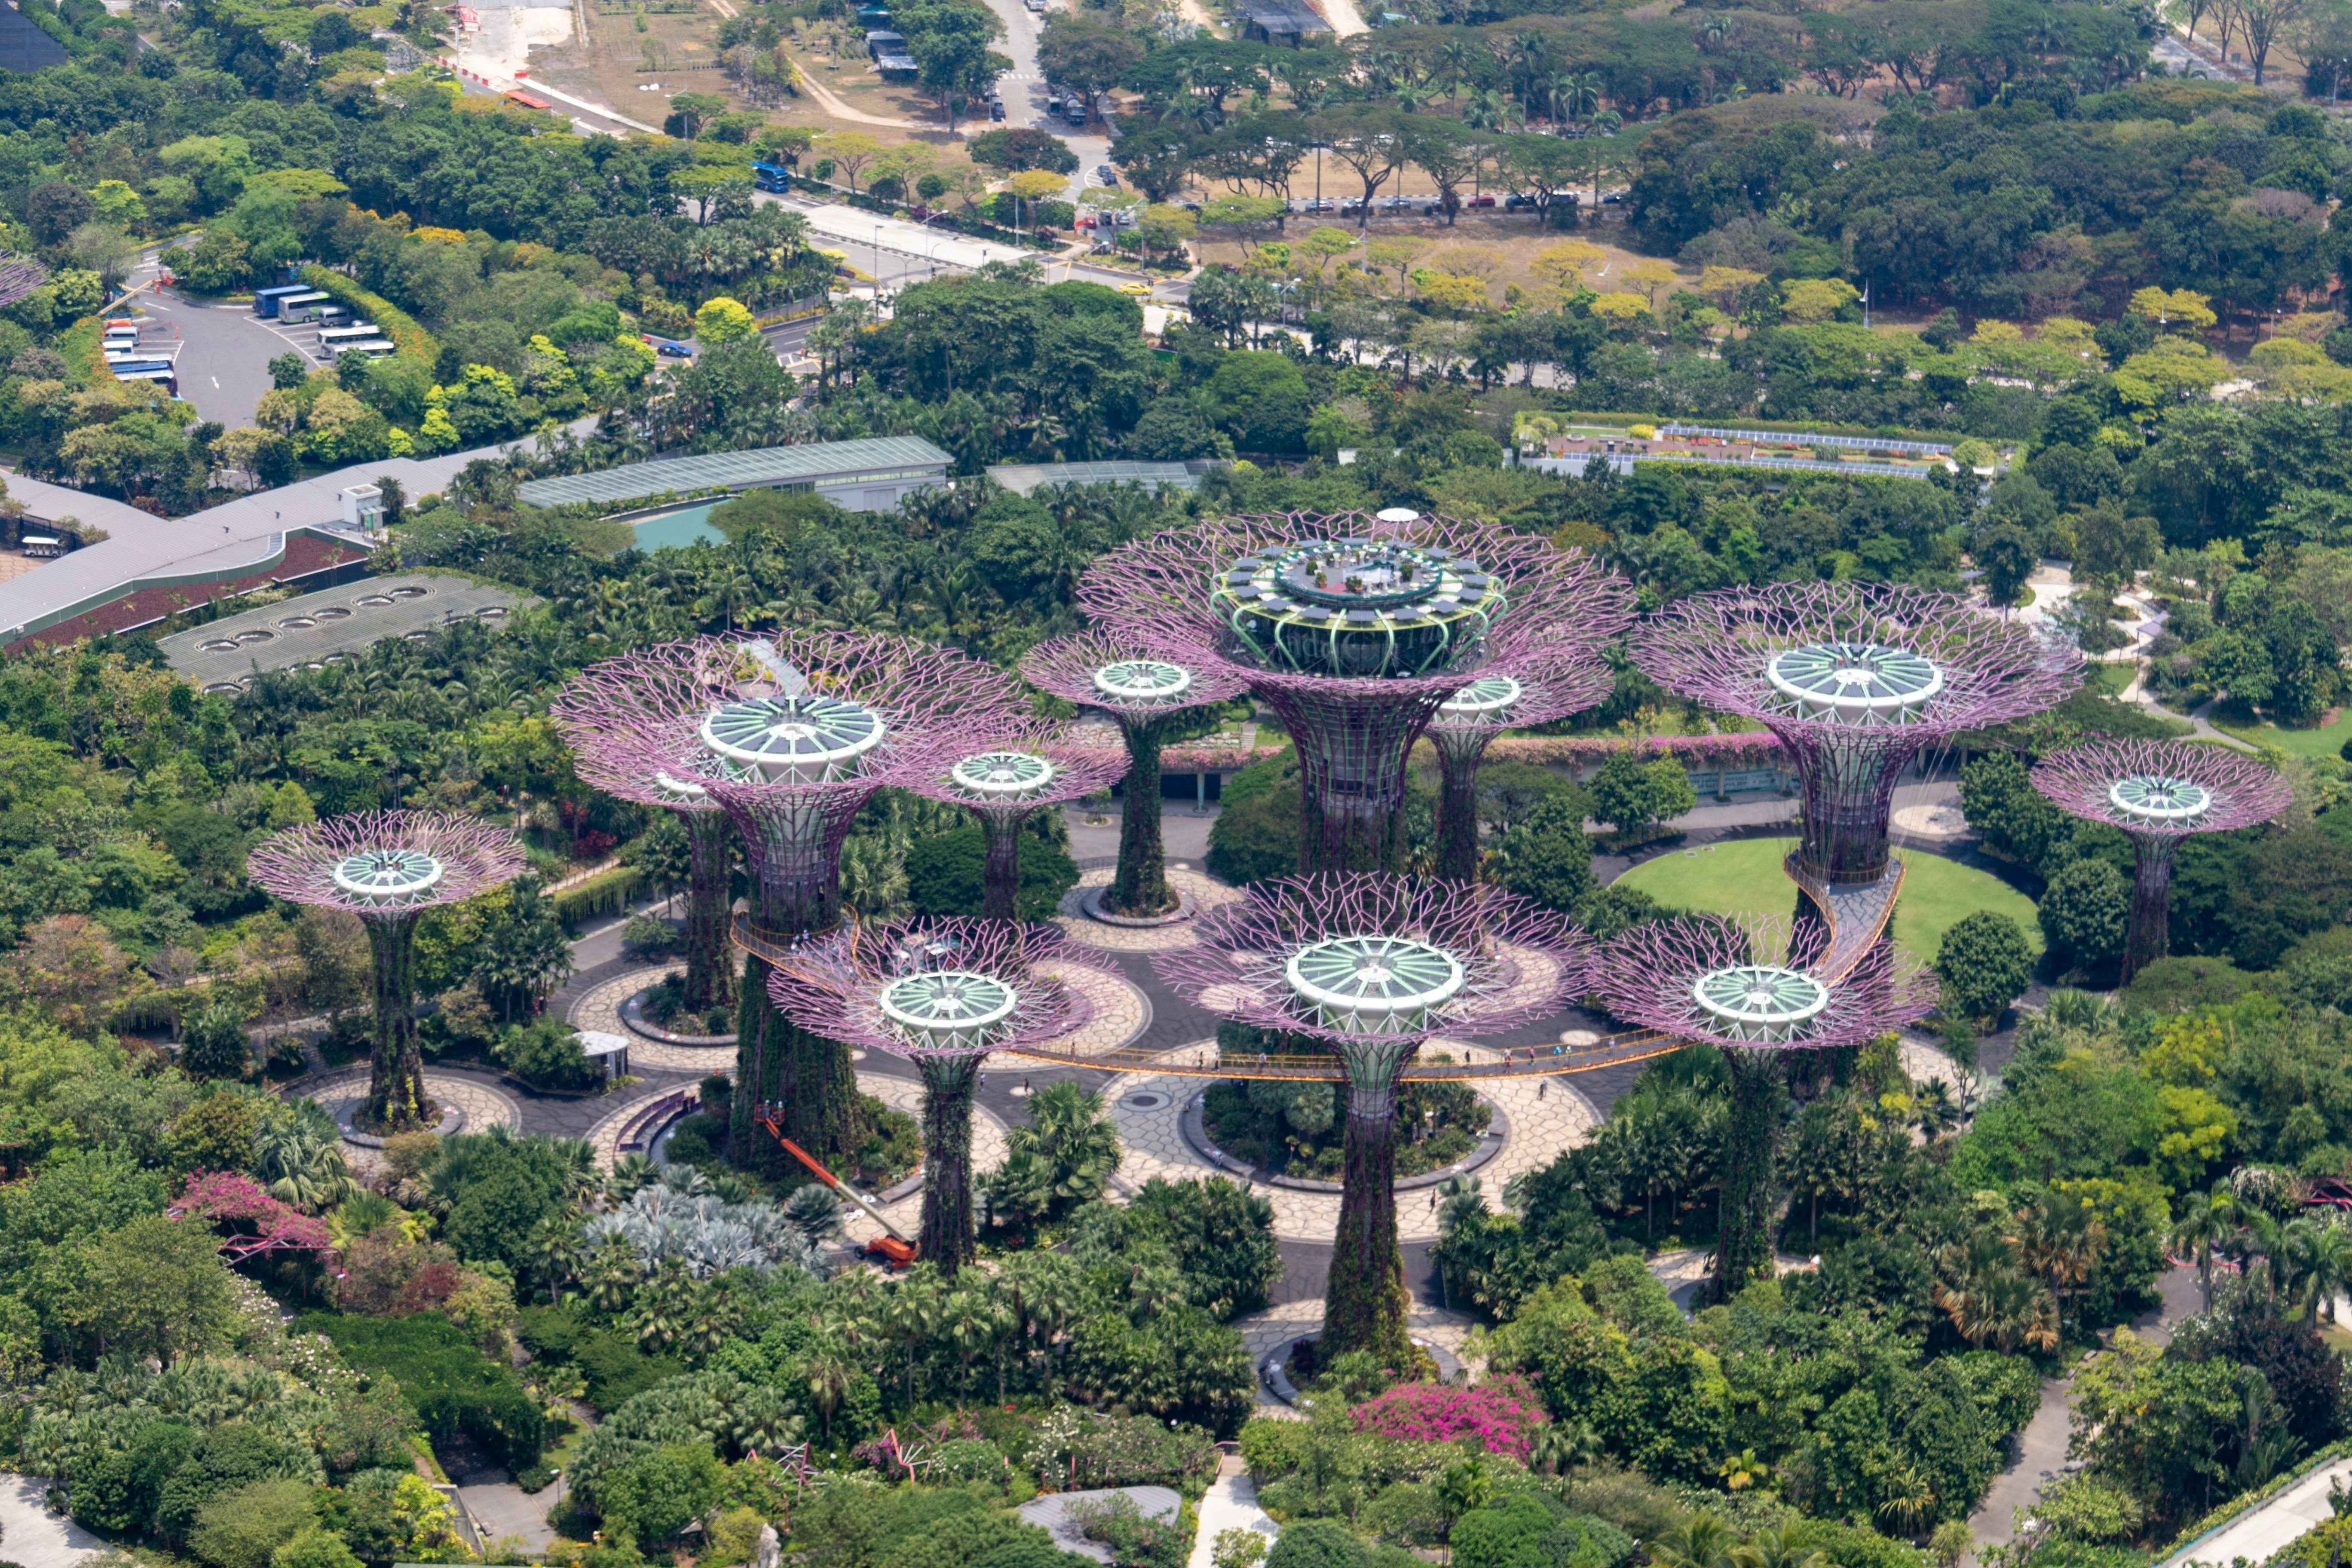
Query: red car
[{"x": 1481, "y": 201}]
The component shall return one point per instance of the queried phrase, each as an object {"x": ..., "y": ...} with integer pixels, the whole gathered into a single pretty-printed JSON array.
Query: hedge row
[
  {"x": 600, "y": 895},
  {"x": 397, "y": 324}
]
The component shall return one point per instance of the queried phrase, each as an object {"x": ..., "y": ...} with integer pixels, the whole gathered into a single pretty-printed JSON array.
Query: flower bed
[{"x": 1500, "y": 1415}]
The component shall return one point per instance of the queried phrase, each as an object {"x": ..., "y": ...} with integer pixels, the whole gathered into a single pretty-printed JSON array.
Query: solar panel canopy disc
[
  {"x": 1003, "y": 776},
  {"x": 802, "y": 739},
  {"x": 1374, "y": 985},
  {"x": 2160, "y": 801},
  {"x": 1854, "y": 683},
  {"x": 390, "y": 878},
  {"x": 1143, "y": 681},
  {"x": 1760, "y": 1002},
  {"x": 1488, "y": 694},
  {"x": 947, "y": 1009}
]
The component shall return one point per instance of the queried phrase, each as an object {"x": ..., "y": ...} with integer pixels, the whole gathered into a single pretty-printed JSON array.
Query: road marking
[{"x": 216, "y": 383}]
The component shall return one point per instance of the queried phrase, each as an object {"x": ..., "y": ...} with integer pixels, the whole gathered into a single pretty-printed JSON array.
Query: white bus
[
  {"x": 336, "y": 337},
  {"x": 300, "y": 309},
  {"x": 367, "y": 346}
]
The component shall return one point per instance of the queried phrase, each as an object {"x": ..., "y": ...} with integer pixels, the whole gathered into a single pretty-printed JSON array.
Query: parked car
[
  {"x": 1517, "y": 202},
  {"x": 997, "y": 109},
  {"x": 1479, "y": 202}
]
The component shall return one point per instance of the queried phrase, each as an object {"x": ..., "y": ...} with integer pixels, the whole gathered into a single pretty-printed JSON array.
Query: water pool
[{"x": 676, "y": 530}]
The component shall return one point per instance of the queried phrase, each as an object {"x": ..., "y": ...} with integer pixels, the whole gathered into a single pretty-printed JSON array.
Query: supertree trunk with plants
[
  {"x": 1011, "y": 777},
  {"x": 943, "y": 994},
  {"x": 388, "y": 867},
  {"x": 1369, "y": 967},
  {"x": 1756, "y": 990},
  {"x": 1149, "y": 697},
  {"x": 2159, "y": 793}
]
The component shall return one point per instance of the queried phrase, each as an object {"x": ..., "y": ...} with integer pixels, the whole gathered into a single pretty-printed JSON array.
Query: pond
[{"x": 677, "y": 530}]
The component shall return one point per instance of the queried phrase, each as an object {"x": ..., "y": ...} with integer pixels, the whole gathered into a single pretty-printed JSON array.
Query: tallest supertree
[
  {"x": 791, "y": 734},
  {"x": 1353, "y": 630},
  {"x": 1856, "y": 679}
]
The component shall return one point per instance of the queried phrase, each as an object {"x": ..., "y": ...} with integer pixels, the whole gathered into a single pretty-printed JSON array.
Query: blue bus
[
  {"x": 265, "y": 301},
  {"x": 769, "y": 177}
]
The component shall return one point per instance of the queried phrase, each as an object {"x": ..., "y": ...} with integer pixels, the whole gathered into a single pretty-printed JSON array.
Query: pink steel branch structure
[
  {"x": 388, "y": 867},
  {"x": 1369, "y": 967},
  {"x": 1147, "y": 694},
  {"x": 1856, "y": 679},
  {"x": 943, "y": 994},
  {"x": 1012, "y": 776},
  {"x": 2159, "y": 793},
  {"x": 1511, "y": 695},
  {"x": 1353, "y": 629},
  {"x": 1746, "y": 986},
  {"x": 599, "y": 714},
  {"x": 790, "y": 734}
]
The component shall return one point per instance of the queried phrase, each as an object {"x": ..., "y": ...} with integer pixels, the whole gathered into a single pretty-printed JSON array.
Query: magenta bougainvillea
[
  {"x": 238, "y": 1203},
  {"x": 1500, "y": 1415}
]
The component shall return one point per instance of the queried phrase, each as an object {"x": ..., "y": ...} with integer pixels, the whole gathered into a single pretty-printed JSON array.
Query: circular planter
[
  {"x": 452, "y": 1119},
  {"x": 1092, "y": 903},
  {"x": 1273, "y": 1368},
  {"x": 633, "y": 1015},
  {"x": 1196, "y": 1134}
]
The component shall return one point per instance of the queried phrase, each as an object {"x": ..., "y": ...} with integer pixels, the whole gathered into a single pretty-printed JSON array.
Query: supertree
[
  {"x": 1754, "y": 988},
  {"x": 2159, "y": 793},
  {"x": 1369, "y": 966},
  {"x": 1855, "y": 680},
  {"x": 1010, "y": 775},
  {"x": 791, "y": 734},
  {"x": 388, "y": 867},
  {"x": 1353, "y": 629},
  {"x": 598, "y": 714},
  {"x": 1148, "y": 695},
  {"x": 1534, "y": 691},
  {"x": 943, "y": 994}
]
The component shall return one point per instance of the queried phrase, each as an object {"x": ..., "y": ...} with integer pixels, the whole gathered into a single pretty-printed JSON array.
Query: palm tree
[
  {"x": 1702, "y": 1540},
  {"x": 1454, "y": 66},
  {"x": 829, "y": 1379},
  {"x": 913, "y": 1315},
  {"x": 2061, "y": 1240},
  {"x": 1907, "y": 1500},
  {"x": 2203, "y": 1224},
  {"x": 1773, "y": 1549}
]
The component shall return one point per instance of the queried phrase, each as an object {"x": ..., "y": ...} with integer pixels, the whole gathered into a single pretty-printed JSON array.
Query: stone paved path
[
  {"x": 1206, "y": 890},
  {"x": 1545, "y": 1116},
  {"x": 35, "y": 1537},
  {"x": 1263, "y": 1333},
  {"x": 483, "y": 1106},
  {"x": 1230, "y": 1504},
  {"x": 600, "y": 1008}
]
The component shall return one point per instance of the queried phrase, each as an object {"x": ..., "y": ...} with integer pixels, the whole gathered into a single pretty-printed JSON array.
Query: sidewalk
[
  {"x": 1230, "y": 1504},
  {"x": 2256, "y": 1537}
]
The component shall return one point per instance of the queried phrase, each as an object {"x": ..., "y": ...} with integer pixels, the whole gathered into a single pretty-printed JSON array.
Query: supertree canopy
[
  {"x": 1536, "y": 690},
  {"x": 1855, "y": 680},
  {"x": 2159, "y": 793},
  {"x": 1353, "y": 629},
  {"x": 1369, "y": 967},
  {"x": 943, "y": 994},
  {"x": 388, "y": 867},
  {"x": 1755, "y": 988},
  {"x": 601, "y": 720},
  {"x": 1009, "y": 776},
  {"x": 1151, "y": 697},
  {"x": 791, "y": 734}
]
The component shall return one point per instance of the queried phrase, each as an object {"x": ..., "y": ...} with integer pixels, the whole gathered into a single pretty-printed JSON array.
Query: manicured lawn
[
  {"x": 2325, "y": 742},
  {"x": 1745, "y": 877}
]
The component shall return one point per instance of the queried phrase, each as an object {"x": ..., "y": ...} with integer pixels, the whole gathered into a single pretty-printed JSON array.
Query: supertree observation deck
[
  {"x": 1147, "y": 694},
  {"x": 943, "y": 994},
  {"x": 1364, "y": 969},
  {"x": 388, "y": 867},
  {"x": 1754, "y": 988},
  {"x": 1010, "y": 777},
  {"x": 1353, "y": 629},
  {"x": 790, "y": 734},
  {"x": 2159, "y": 793},
  {"x": 1855, "y": 680},
  {"x": 1512, "y": 695}
]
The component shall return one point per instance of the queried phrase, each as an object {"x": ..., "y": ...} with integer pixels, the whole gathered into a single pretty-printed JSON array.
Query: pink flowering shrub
[
  {"x": 1500, "y": 1413},
  {"x": 239, "y": 1202}
]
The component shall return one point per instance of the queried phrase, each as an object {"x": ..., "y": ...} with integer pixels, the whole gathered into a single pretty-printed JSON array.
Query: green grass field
[
  {"x": 1745, "y": 877},
  {"x": 2324, "y": 743}
]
